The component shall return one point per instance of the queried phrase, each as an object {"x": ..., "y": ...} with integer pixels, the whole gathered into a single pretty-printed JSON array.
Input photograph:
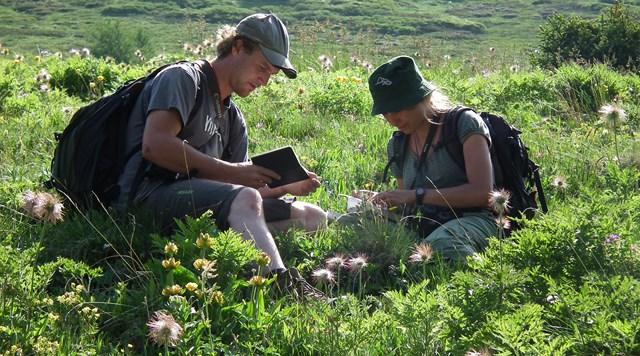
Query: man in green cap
[
  {"x": 452, "y": 200},
  {"x": 185, "y": 123}
]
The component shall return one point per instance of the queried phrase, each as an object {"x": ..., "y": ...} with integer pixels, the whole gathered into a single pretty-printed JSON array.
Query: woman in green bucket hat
[{"x": 446, "y": 201}]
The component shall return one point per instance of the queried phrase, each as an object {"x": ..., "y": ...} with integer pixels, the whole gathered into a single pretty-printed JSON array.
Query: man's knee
[
  {"x": 247, "y": 202},
  {"x": 313, "y": 218}
]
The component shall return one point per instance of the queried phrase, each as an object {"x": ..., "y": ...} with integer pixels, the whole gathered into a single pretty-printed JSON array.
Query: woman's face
[{"x": 408, "y": 120}]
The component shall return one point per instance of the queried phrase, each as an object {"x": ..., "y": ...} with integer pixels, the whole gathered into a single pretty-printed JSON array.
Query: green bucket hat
[{"x": 397, "y": 85}]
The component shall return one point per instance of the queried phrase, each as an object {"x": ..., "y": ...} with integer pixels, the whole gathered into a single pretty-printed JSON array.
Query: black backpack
[
  {"x": 513, "y": 170},
  {"x": 90, "y": 154}
]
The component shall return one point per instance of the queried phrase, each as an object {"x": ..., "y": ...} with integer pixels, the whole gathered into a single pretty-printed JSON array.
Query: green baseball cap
[
  {"x": 272, "y": 37},
  {"x": 397, "y": 85}
]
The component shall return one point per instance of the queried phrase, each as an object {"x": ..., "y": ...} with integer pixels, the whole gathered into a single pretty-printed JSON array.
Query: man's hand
[
  {"x": 253, "y": 176},
  {"x": 303, "y": 187}
]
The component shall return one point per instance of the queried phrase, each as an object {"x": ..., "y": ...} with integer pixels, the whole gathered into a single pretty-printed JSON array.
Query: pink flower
[
  {"x": 323, "y": 276},
  {"x": 336, "y": 262},
  {"x": 164, "y": 330},
  {"x": 421, "y": 253},
  {"x": 358, "y": 263}
]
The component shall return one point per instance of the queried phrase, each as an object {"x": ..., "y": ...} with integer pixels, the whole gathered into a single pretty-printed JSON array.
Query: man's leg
[
  {"x": 246, "y": 217},
  {"x": 299, "y": 214}
]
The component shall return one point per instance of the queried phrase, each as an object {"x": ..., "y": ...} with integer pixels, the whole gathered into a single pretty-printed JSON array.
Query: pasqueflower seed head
[{"x": 164, "y": 330}]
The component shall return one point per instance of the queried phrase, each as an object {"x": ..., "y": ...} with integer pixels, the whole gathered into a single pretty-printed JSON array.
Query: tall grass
[{"x": 568, "y": 282}]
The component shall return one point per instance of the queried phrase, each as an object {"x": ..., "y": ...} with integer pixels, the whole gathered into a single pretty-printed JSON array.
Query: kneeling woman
[{"x": 451, "y": 197}]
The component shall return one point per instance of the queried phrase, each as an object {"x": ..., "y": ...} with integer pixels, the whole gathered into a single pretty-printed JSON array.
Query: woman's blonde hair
[{"x": 436, "y": 106}]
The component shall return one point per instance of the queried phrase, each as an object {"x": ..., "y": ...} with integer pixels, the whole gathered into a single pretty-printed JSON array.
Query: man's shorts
[{"x": 166, "y": 201}]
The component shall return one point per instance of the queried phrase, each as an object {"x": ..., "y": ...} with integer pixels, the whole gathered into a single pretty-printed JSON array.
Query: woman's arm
[{"x": 475, "y": 193}]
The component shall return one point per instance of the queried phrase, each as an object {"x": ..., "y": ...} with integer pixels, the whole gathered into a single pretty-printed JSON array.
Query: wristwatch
[{"x": 420, "y": 192}]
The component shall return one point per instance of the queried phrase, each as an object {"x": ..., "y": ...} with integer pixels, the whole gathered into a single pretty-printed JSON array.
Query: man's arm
[{"x": 161, "y": 146}]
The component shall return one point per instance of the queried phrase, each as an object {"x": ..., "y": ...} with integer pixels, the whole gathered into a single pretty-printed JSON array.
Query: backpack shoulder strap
[
  {"x": 398, "y": 140},
  {"x": 449, "y": 138}
]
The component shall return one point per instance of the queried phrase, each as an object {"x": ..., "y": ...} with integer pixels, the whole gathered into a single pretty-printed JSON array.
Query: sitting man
[{"x": 188, "y": 127}]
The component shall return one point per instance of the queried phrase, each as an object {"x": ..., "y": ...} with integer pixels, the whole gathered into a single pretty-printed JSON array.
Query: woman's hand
[
  {"x": 394, "y": 197},
  {"x": 303, "y": 187}
]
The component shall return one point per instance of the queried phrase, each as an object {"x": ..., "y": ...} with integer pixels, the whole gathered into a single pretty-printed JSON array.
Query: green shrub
[{"x": 612, "y": 38}]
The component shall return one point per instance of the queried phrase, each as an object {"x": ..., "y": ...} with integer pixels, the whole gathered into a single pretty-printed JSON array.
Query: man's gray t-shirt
[{"x": 218, "y": 131}]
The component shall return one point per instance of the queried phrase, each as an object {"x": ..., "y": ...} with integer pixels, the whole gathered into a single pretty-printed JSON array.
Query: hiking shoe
[{"x": 290, "y": 281}]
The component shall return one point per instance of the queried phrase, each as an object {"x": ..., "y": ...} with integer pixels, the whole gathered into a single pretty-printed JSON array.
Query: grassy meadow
[{"x": 566, "y": 283}]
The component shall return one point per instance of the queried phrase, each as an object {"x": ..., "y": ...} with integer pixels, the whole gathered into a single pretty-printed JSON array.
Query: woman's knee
[
  {"x": 311, "y": 216},
  {"x": 247, "y": 202}
]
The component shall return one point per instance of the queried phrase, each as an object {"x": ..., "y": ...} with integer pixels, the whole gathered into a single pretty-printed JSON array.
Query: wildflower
[
  {"x": 53, "y": 317},
  {"x": 199, "y": 263},
  {"x": 44, "y": 88},
  {"x": 224, "y": 32},
  {"x": 170, "y": 248},
  {"x": 499, "y": 201},
  {"x": 612, "y": 115},
  {"x": 482, "y": 352},
  {"x": 335, "y": 262},
  {"x": 421, "y": 253},
  {"x": 368, "y": 66},
  {"x": 209, "y": 270},
  {"x": 263, "y": 259},
  {"x": 358, "y": 263},
  {"x": 325, "y": 62},
  {"x": 559, "y": 183},
  {"x": 552, "y": 298},
  {"x": 323, "y": 276},
  {"x": 257, "y": 281},
  {"x": 172, "y": 290},
  {"x": 100, "y": 79},
  {"x": 43, "y": 206},
  {"x": 191, "y": 286},
  {"x": 204, "y": 240},
  {"x": 164, "y": 330},
  {"x": 503, "y": 222},
  {"x": 92, "y": 85},
  {"x": 170, "y": 263},
  {"x": 43, "y": 76},
  {"x": 217, "y": 297},
  {"x": 611, "y": 239}
]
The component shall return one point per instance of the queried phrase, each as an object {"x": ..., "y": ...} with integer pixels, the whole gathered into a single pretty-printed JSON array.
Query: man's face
[{"x": 253, "y": 70}]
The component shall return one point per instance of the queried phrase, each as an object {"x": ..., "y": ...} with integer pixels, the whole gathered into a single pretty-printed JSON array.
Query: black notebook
[{"x": 284, "y": 162}]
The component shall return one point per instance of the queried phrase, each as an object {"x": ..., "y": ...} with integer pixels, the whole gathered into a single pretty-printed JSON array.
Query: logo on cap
[{"x": 383, "y": 81}]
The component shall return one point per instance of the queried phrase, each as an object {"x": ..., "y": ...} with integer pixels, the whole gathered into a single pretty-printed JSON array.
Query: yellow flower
[
  {"x": 263, "y": 259},
  {"x": 100, "y": 78},
  {"x": 170, "y": 248},
  {"x": 171, "y": 263},
  {"x": 199, "y": 263},
  {"x": 172, "y": 290},
  {"x": 204, "y": 240},
  {"x": 257, "y": 281},
  {"x": 191, "y": 286},
  {"x": 217, "y": 297},
  {"x": 92, "y": 85}
]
